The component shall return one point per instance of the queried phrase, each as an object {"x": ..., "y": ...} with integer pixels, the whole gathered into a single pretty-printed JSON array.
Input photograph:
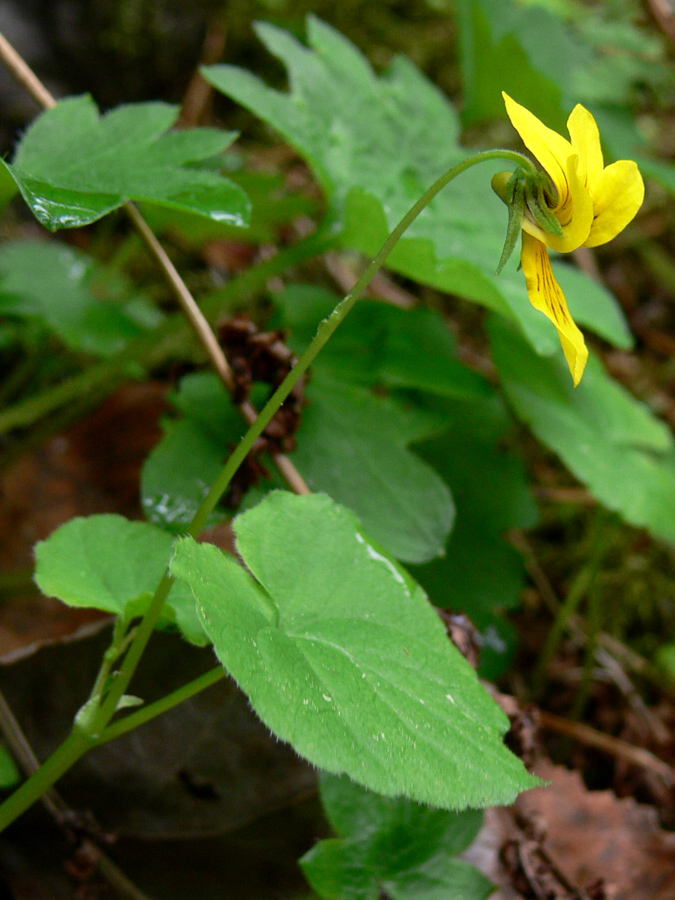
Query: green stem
[
  {"x": 138, "y": 644},
  {"x": 65, "y": 756},
  {"x": 141, "y": 716},
  {"x": 79, "y": 740},
  {"x": 329, "y": 326},
  {"x": 111, "y": 655}
]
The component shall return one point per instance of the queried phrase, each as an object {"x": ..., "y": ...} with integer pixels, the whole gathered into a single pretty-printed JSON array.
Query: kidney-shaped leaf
[
  {"x": 107, "y": 562},
  {"x": 72, "y": 166},
  {"x": 343, "y": 657}
]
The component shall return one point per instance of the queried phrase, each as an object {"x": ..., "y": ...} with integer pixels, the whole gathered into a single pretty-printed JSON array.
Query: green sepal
[
  {"x": 512, "y": 192},
  {"x": 520, "y": 191},
  {"x": 538, "y": 196}
]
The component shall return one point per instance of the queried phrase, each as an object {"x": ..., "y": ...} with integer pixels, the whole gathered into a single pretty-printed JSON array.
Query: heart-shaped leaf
[{"x": 343, "y": 657}]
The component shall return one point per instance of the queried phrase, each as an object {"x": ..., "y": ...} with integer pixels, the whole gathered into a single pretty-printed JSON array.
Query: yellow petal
[
  {"x": 574, "y": 212},
  {"x": 617, "y": 194},
  {"x": 585, "y": 137},
  {"x": 546, "y": 295},
  {"x": 574, "y": 209},
  {"x": 552, "y": 150}
]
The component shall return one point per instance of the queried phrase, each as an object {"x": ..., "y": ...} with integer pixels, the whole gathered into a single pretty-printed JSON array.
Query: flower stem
[{"x": 327, "y": 328}]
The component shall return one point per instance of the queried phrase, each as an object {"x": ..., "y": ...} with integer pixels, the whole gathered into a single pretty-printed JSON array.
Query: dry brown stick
[
  {"x": 197, "y": 320},
  {"x": 208, "y": 340},
  {"x": 28, "y": 761},
  {"x": 24, "y": 74},
  {"x": 187, "y": 302},
  {"x": 605, "y": 742},
  {"x": 197, "y": 99}
]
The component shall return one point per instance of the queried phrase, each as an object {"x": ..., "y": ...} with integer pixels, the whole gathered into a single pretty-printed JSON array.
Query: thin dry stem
[
  {"x": 24, "y": 74},
  {"x": 290, "y": 474},
  {"x": 614, "y": 746},
  {"x": 188, "y": 304},
  {"x": 28, "y": 761},
  {"x": 17, "y": 65}
]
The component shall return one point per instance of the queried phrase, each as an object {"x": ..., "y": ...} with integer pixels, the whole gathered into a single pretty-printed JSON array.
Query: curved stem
[{"x": 330, "y": 325}]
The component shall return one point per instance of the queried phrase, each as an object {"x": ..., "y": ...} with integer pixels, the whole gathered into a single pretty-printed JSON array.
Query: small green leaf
[
  {"x": 180, "y": 469},
  {"x": 393, "y": 847},
  {"x": 73, "y": 167},
  {"x": 128, "y": 700},
  {"x": 343, "y": 657},
  {"x": 353, "y": 446},
  {"x": 178, "y": 474},
  {"x": 107, "y": 562},
  {"x": 88, "y": 309},
  {"x": 610, "y": 441}
]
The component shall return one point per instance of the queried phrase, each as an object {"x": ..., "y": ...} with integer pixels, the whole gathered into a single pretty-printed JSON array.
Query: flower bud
[{"x": 500, "y": 183}]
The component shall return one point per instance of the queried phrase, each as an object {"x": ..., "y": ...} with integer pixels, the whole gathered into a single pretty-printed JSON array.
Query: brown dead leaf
[
  {"x": 92, "y": 467},
  {"x": 564, "y": 842},
  {"x": 593, "y": 836}
]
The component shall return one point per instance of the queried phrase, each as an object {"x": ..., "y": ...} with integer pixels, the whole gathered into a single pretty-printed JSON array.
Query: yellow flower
[{"x": 593, "y": 203}]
